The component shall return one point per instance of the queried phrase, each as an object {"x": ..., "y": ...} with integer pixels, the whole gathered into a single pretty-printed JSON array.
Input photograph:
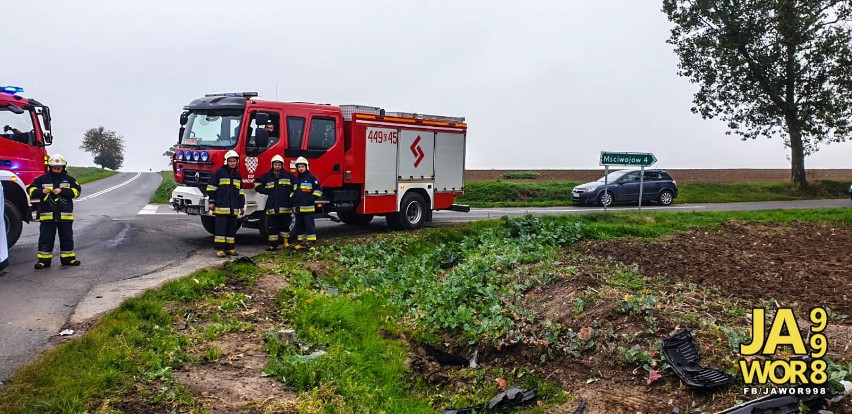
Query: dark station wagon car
[{"x": 623, "y": 187}]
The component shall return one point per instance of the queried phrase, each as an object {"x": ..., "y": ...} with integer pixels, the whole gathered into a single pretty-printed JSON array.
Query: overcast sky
[{"x": 543, "y": 84}]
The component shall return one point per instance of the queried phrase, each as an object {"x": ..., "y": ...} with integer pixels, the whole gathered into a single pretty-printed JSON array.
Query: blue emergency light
[
  {"x": 204, "y": 156},
  {"x": 11, "y": 90},
  {"x": 196, "y": 156},
  {"x": 180, "y": 155}
]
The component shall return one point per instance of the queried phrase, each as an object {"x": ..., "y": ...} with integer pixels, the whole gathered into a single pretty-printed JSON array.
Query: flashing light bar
[
  {"x": 11, "y": 89},
  {"x": 234, "y": 94}
]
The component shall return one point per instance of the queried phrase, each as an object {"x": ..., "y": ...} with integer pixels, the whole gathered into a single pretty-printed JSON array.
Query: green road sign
[{"x": 639, "y": 159}]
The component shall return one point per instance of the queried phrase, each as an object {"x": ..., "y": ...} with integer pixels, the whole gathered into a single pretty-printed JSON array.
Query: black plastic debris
[
  {"x": 245, "y": 259},
  {"x": 512, "y": 397},
  {"x": 446, "y": 358},
  {"x": 683, "y": 357},
  {"x": 581, "y": 408},
  {"x": 777, "y": 404}
]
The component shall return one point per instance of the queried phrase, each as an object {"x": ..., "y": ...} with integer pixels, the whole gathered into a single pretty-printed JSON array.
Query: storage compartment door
[
  {"x": 449, "y": 161},
  {"x": 380, "y": 170},
  {"x": 416, "y": 155}
]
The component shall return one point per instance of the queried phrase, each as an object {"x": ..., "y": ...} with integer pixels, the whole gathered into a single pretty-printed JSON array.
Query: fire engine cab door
[{"x": 324, "y": 148}]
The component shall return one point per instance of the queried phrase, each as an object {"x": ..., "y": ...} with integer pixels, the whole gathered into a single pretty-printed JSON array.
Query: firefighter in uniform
[
  {"x": 53, "y": 193},
  {"x": 306, "y": 192},
  {"x": 277, "y": 184},
  {"x": 227, "y": 202}
]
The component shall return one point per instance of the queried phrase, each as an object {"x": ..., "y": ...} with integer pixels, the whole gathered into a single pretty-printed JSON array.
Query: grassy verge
[
  {"x": 89, "y": 174},
  {"x": 164, "y": 191},
  {"x": 365, "y": 303},
  {"x": 549, "y": 194}
]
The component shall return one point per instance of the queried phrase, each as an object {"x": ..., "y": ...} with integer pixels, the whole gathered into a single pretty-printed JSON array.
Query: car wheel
[
  {"x": 605, "y": 198},
  {"x": 666, "y": 198}
]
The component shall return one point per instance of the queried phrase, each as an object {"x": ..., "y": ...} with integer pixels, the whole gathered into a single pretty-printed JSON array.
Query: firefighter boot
[
  {"x": 231, "y": 252},
  {"x": 311, "y": 245},
  {"x": 220, "y": 253},
  {"x": 285, "y": 244},
  {"x": 42, "y": 263},
  {"x": 72, "y": 262}
]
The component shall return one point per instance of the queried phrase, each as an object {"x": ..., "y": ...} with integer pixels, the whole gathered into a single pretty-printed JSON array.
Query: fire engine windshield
[
  {"x": 17, "y": 127},
  {"x": 212, "y": 129}
]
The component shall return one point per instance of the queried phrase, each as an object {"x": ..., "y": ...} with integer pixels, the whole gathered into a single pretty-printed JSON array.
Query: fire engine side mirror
[
  {"x": 261, "y": 137},
  {"x": 184, "y": 118},
  {"x": 47, "y": 136},
  {"x": 261, "y": 118}
]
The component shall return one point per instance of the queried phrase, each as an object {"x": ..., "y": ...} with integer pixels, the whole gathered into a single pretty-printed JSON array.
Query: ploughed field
[
  {"x": 683, "y": 176},
  {"x": 706, "y": 280}
]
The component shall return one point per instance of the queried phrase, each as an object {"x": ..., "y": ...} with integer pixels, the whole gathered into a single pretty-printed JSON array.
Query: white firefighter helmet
[
  {"x": 278, "y": 158},
  {"x": 231, "y": 154},
  {"x": 57, "y": 160},
  {"x": 303, "y": 160}
]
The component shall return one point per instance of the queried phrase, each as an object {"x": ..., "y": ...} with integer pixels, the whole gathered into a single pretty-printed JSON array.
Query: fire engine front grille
[{"x": 196, "y": 178}]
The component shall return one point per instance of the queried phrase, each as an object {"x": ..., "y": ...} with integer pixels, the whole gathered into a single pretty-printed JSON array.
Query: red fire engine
[
  {"x": 25, "y": 134},
  {"x": 369, "y": 162}
]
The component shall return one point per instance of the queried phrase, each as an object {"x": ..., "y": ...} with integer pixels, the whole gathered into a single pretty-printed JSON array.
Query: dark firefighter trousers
[
  {"x": 305, "y": 228},
  {"x": 225, "y": 233},
  {"x": 278, "y": 228},
  {"x": 47, "y": 238}
]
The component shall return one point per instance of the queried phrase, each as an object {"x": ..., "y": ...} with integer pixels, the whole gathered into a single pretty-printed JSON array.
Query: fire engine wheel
[
  {"x": 354, "y": 219},
  {"x": 412, "y": 213},
  {"x": 14, "y": 223},
  {"x": 209, "y": 223}
]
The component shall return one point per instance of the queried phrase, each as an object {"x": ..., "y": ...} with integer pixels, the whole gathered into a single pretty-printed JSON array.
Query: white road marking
[
  {"x": 149, "y": 209},
  {"x": 154, "y": 209},
  {"x": 102, "y": 192}
]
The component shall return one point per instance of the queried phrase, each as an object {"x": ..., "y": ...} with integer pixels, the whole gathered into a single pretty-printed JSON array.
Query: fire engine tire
[
  {"x": 412, "y": 213},
  {"x": 14, "y": 223},
  {"x": 209, "y": 223},
  {"x": 261, "y": 225},
  {"x": 354, "y": 219}
]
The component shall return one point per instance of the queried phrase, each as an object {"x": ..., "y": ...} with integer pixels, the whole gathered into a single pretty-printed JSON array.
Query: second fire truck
[
  {"x": 370, "y": 162},
  {"x": 25, "y": 133}
]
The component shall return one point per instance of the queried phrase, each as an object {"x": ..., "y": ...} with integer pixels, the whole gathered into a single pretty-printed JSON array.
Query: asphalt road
[{"x": 127, "y": 246}]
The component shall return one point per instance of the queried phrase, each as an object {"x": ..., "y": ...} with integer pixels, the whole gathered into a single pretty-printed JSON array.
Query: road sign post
[{"x": 627, "y": 159}]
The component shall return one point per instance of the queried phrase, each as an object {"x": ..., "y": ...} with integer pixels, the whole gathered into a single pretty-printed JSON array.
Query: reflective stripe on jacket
[
  {"x": 54, "y": 207},
  {"x": 224, "y": 191},
  {"x": 306, "y": 192},
  {"x": 278, "y": 189}
]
